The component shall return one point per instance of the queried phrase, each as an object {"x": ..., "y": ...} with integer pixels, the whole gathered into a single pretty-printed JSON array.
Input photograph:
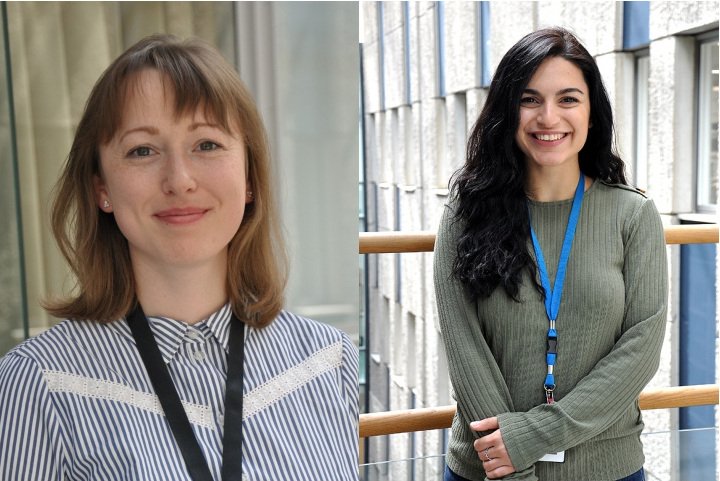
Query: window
[
  {"x": 440, "y": 6},
  {"x": 642, "y": 73},
  {"x": 13, "y": 311},
  {"x": 707, "y": 122}
]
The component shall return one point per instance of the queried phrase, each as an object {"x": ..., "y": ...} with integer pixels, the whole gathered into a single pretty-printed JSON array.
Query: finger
[
  {"x": 479, "y": 444},
  {"x": 499, "y": 464},
  {"x": 485, "y": 455},
  {"x": 487, "y": 441},
  {"x": 494, "y": 457},
  {"x": 499, "y": 472},
  {"x": 492, "y": 466},
  {"x": 487, "y": 424}
]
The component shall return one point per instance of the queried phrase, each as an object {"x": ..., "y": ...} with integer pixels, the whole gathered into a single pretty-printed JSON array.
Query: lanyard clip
[
  {"x": 550, "y": 395},
  {"x": 549, "y": 386}
]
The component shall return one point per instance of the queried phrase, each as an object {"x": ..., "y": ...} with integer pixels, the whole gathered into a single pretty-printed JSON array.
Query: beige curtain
[{"x": 58, "y": 50}]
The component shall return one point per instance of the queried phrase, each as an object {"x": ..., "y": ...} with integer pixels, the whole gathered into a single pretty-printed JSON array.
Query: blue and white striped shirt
[{"x": 76, "y": 402}]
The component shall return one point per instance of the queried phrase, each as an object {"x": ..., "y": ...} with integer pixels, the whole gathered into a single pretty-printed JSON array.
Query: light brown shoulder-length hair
[{"x": 90, "y": 239}]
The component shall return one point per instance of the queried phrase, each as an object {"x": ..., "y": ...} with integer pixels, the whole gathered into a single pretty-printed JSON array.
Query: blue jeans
[
  {"x": 450, "y": 476},
  {"x": 639, "y": 476}
]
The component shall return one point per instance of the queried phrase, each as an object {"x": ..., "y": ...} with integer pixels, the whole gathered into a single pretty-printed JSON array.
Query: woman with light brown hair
[{"x": 176, "y": 360}]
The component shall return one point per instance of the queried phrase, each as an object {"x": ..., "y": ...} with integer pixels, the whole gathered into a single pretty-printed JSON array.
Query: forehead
[
  {"x": 149, "y": 92},
  {"x": 558, "y": 72},
  {"x": 148, "y": 96}
]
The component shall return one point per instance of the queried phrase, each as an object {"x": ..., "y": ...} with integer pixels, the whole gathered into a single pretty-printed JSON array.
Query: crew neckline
[{"x": 563, "y": 201}]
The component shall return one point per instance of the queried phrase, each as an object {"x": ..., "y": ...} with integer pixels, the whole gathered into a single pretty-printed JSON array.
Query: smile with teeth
[{"x": 549, "y": 137}]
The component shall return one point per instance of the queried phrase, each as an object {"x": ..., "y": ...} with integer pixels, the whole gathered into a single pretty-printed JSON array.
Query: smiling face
[
  {"x": 554, "y": 116},
  {"x": 176, "y": 184}
]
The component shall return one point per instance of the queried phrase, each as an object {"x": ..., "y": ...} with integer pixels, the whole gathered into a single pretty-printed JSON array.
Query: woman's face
[
  {"x": 554, "y": 115},
  {"x": 177, "y": 186}
]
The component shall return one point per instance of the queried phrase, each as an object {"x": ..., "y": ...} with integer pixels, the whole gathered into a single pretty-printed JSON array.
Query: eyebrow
[
  {"x": 153, "y": 131},
  {"x": 559, "y": 92},
  {"x": 148, "y": 129},
  {"x": 197, "y": 125}
]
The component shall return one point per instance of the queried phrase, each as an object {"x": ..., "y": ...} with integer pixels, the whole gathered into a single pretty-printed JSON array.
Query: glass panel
[
  {"x": 422, "y": 468},
  {"x": 697, "y": 349},
  {"x": 707, "y": 181},
  {"x": 660, "y": 465},
  {"x": 642, "y": 73},
  {"x": 407, "y": 456},
  {"x": 685, "y": 464},
  {"x": 13, "y": 325}
]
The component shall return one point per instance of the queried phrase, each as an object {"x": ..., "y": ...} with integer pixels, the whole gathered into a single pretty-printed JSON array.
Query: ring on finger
[{"x": 487, "y": 456}]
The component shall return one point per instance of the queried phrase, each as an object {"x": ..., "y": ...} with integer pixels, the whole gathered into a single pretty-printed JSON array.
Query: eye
[
  {"x": 208, "y": 145},
  {"x": 528, "y": 100},
  {"x": 142, "y": 151},
  {"x": 569, "y": 100}
]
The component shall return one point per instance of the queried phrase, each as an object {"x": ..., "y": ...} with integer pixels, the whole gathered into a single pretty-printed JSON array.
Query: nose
[
  {"x": 178, "y": 174},
  {"x": 547, "y": 115}
]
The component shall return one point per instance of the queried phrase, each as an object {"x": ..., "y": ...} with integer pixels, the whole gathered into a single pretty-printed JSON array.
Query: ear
[
  {"x": 101, "y": 194},
  {"x": 249, "y": 194}
]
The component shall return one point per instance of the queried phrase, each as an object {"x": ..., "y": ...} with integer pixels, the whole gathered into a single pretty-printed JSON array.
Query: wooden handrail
[
  {"x": 691, "y": 234},
  {"x": 424, "y": 241},
  {"x": 409, "y": 420}
]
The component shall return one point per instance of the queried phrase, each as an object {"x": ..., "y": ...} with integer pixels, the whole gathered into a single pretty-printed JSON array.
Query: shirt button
[
  {"x": 199, "y": 356},
  {"x": 193, "y": 335}
]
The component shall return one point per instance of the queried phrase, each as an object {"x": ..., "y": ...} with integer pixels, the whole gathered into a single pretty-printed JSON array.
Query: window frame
[{"x": 702, "y": 117}]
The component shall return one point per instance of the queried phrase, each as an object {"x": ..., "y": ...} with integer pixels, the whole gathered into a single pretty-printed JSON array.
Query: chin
[
  {"x": 551, "y": 163},
  {"x": 190, "y": 257}
]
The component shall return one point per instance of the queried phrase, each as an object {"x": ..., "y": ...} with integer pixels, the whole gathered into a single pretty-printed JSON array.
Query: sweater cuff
[{"x": 523, "y": 452}]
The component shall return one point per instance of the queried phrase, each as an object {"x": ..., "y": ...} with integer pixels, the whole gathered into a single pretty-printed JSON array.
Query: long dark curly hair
[{"x": 489, "y": 190}]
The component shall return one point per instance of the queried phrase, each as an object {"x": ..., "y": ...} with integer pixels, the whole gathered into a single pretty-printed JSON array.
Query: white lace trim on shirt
[
  {"x": 263, "y": 396},
  {"x": 113, "y": 391},
  {"x": 326, "y": 359}
]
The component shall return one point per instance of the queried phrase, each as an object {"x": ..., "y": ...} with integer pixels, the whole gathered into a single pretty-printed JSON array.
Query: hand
[{"x": 491, "y": 449}]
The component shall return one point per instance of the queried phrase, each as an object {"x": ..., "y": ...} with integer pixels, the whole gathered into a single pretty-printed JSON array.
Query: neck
[
  {"x": 548, "y": 184},
  {"x": 188, "y": 294}
]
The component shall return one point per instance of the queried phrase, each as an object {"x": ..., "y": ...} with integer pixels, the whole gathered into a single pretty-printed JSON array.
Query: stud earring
[
  {"x": 106, "y": 204},
  {"x": 250, "y": 194}
]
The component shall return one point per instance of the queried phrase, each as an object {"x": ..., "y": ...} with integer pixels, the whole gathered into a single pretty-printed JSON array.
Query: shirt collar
[
  {"x": 219, "y": 325},
  {"x": 169, "y": 333}
]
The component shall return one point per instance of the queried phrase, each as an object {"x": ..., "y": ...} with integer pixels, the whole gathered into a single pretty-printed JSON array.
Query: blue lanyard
[{"x": 553, "y": 295}]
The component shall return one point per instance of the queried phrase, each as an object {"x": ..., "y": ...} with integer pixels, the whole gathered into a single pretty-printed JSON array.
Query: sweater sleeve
[
  {"x": 29, "y": 429},
  {"x": 480, "y": 389},
  {"x": 616, "y": 381}
]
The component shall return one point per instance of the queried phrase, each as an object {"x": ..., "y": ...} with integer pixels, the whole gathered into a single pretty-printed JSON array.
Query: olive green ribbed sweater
[{"x": 610, "y": 328}]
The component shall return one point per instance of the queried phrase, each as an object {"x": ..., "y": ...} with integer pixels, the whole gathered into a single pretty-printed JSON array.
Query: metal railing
[{"x": 424, "y": 419}]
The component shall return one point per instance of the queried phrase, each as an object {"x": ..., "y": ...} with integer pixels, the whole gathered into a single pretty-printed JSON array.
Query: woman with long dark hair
[{"x": 551, "y": 279}]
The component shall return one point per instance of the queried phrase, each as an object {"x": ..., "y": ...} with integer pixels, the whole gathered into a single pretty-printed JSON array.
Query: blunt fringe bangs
[
  {"x": 488, "y": 192},
  {"x": 90, "y": 239}
]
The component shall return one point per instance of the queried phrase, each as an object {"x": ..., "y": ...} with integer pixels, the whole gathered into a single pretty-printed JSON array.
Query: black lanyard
[{"x": 174, "y": 411}]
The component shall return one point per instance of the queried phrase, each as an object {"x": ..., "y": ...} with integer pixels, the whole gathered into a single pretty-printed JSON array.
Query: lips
[{"x": 184, "y": 215}]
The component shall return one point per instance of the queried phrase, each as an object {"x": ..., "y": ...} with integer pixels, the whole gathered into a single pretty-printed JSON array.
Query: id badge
[{"x": 554, "y": 457}]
